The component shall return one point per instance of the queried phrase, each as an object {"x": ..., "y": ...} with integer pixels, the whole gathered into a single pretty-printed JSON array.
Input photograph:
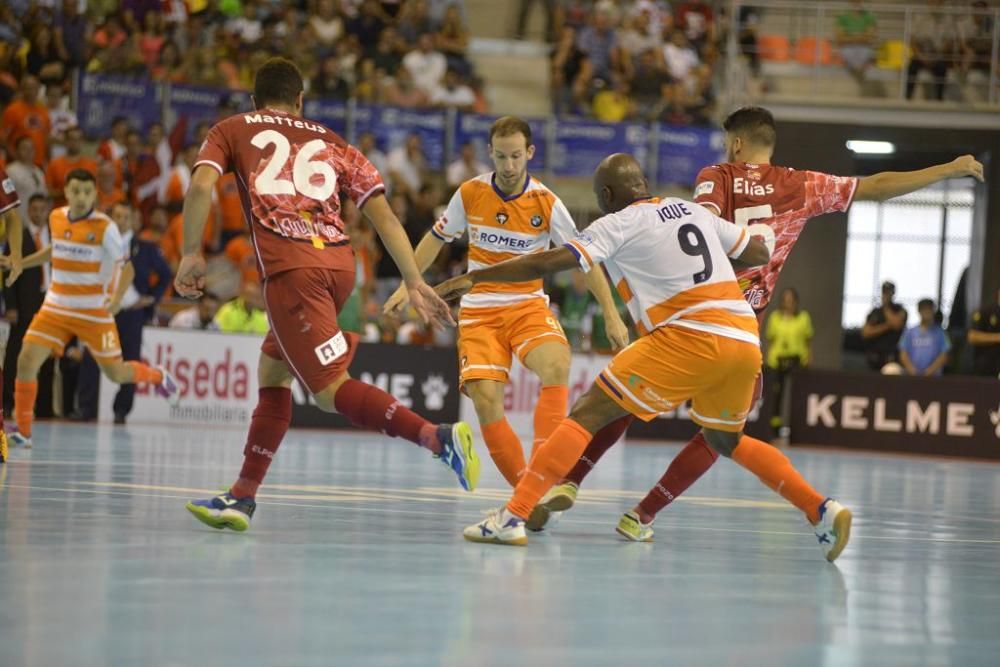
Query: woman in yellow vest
[{"x": 789, "y": 346}]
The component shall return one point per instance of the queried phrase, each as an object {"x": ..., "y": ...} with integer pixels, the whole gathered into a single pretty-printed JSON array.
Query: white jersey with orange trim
[
  {"x": 503, "y": 227},
  {"x": 87, "y": 257},
  {"x": 669, "y": 260}
]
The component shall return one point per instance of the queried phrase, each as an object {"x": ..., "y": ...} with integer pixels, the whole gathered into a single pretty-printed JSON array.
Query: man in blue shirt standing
[{"x": 924, "y": 348}]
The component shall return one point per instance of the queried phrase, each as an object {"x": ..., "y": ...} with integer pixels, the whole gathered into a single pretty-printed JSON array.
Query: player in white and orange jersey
[
  {"x": 698, "y": 342},
  {"x": 508, "y": 214},
  {"x": 90, "y": 274},
  {"x": 775, "y": 202}
]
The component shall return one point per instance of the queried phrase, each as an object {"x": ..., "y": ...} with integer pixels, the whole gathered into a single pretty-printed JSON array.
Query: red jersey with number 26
[
  {"x": 781, "y": 200},
  {"x": 291, "y": 173}
]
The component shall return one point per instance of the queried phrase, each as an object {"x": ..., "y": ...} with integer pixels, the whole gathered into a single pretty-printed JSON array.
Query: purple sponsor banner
[
  {"x": 683, "y": 151},
  {"x": 101, "y": 98}
]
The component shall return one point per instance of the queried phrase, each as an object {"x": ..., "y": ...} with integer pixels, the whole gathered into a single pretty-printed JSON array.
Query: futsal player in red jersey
[
  {"x": 776, "y": 203},
  {"x": 291, "y": 173},
  {"x": 11, "y": 231}
]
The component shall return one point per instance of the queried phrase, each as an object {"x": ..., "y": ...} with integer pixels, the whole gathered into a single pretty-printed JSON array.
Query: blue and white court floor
[{"x": 356, "y": 557}]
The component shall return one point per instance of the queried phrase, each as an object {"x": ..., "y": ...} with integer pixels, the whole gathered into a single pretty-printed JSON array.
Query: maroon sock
[
  {"x": 602, "y": 442},
  {"x": 690, "y": 464},
  {"x": 267, "y": 429},
  {"x": 372, "y": 409}
]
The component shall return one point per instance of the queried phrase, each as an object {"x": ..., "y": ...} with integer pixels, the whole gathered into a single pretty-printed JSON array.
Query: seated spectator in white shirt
[
  {"x": 408, "y": 167},
  {"x": 465, "y": 167},
  {"x": 201, "y": 316},
  {"x": 426, "y": 66},
  {"x": 680, "y": 57},
  {"x": 454, "y": 93}
]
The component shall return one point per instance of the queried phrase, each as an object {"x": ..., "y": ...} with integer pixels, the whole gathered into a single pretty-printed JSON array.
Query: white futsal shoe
[
  {"x": 499, "y": 527},
  {"x": 833, "y": 529}
]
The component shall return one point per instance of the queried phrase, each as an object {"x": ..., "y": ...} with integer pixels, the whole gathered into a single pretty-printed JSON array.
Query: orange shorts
[
  {"x": 95, "y": 328},
  {"x": 672, "y": 365},
  {"x": 488, "y": 338}
]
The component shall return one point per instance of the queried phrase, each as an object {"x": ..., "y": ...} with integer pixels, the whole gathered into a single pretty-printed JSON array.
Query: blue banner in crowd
[
  {"x": 332, "y": 113},
  {"x": 580, "y": 145},
  {"x": 194, "y": 104},
  {"x": 391, "y": 126},
  {"x": 102, "y": 98},
  {"x": 475, "y": 129},
  {"x": 683, "y": 151}
]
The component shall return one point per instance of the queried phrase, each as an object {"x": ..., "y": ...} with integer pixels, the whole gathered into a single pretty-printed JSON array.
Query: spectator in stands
[
  {"x": 327, "y": 23},
  {"x": 680, "y": 57},
  {"x": 368, "y": 145},
  {"x": 975, "y": 34},
  {"x": 245, "y": 313},
  {"x": 108, "y": 191},
  {"x": 389, "y": 51},
  {"x": 789, "y": 336},
  {"x": 368, "y": 24},
  {"x": 749, "y": 24},
  {"x": 169, "y": 66},
  {"x": 549, "y": 6},
  {"x": 328, "y": 82},
  {"x": 141, "y": 172},
  {"x": 857, "y": 38},
  {"x": 55, "y": 173},
  {"x": 176, "y": 184},
  {"x": 401, "y": 91},
  {"x": 408, "y": 167},
  {"x": 454, "y": 94},
  {"x": 200, "y": 316},
  {"x": 61, "y": 119},
  {"x": 932, "y": 48},
  {"x": 599, "y": 42},
  {"x": 28, "y": 179},
  {"x": 43, "y": 59},
  {"x": 247, "y": 27},
  {"x": 883, "y": 329},
  {"x": 23, "y": 299},
  {"x": 577, "y": 309},
  {"x": 467, "y": 166},
  {"x": 426, "y": 65},
  {"x": 924, "y": 348},
  {"x": 613, "y": 104},
  {"x": 453, "y": 41},
  {"x": 159, "y": 145},
  {"x": 152, "y": 38},
  {"x": 693, "y": 101},
  {"x": 636, "y": 37},
  {"x": 71, "y": 30},
  {"x": 27, "y": 116},
  {"x": 647, "y": 85},
  {"x": 239, "y": 250},
  {"x": 570, "y": 75},
  {"x": 415, "y": 21},
  {"x": 984, "y": 337},
  {"x": 697, "y": 20},
  {"x": 113, "y": 148}
]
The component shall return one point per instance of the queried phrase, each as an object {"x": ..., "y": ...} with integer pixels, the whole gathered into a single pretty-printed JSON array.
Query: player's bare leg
[
  {"x": 501, "y": 441},
  {"x": 29, "y": 362},
  {"x": 366, "y": 406},
  {"x": 551, "y": 461}
]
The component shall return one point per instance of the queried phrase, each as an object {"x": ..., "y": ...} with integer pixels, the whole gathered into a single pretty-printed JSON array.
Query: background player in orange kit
[
  {"x": 291, "y": 173},
  {"x": 12, "y": 230},
  {"x": 775, "y": 202},
  {"x": 698, "y": 341},
  {"x": 507, "y": 214},
  {"x": 90, "y": 274}
]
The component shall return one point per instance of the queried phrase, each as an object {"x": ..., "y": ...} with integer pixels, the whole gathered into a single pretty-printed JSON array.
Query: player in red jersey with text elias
[
  {"x": 291, "y": 174},
  {"x": 776, "y": 203}
]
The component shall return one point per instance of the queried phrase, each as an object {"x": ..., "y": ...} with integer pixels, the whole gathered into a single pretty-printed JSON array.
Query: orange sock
[
  {"x": 774, "y": 469},
  {"x": 550, "y": 410},
  {"x": 505, "y": 449},
  {"x": 143, "y": 373},
  {"x": 25, "y": 392},
  {"x": 553, "y": 459}
]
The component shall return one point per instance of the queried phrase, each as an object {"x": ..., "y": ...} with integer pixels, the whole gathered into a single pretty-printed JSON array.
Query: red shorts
[{"x": 302, "y": 306}]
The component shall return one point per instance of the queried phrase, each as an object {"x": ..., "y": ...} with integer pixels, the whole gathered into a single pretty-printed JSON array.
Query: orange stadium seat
[
  {"x": 775, "y": 48},
  {"x": 810, "y": 49}
]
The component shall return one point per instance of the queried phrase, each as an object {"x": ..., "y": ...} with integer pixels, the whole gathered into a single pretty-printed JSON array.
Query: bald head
[{"x": 618, "y": 182}]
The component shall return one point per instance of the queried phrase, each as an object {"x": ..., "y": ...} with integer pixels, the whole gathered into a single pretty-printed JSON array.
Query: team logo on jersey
[
  {"x": 332, "y": 349},
  {"x": 8, "y": 186},
  {"x": 706, "y": 188},
  {"x": 91, "y": 237},
  {"x": 67, "y": 234},
  {"x": 536, "y": 221},
  {"x": 753, "y": 175},
  {"x": 464, "y": 362},
  {"x": 586, "y": 238},
  {"x": 502, "y": 218}
]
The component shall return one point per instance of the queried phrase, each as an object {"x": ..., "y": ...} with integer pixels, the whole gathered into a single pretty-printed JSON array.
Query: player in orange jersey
[
  {"x": 12, "y": 230},
  {"x": 698, "y": 342},
  {"x": 507, "y": 214},
  {"x": 90, "y": 274},
  {"x": 776, "y": 202}
]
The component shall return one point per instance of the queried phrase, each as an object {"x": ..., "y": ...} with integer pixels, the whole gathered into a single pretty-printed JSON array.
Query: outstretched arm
[
  {"x": 756, "y": 254},
  {"x": 614, "y": 327},
  {"x": 889, "y": 184},
  {"x": 517, "y": 270}
]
